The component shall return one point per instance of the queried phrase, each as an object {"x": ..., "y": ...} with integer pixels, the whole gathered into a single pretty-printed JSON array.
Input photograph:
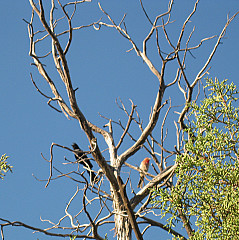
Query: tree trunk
[{"x": 123, "y": 228}]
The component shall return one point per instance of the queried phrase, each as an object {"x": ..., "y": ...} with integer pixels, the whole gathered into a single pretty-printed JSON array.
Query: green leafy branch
[
  {"x": 4, "y": 166},
  {"x": 208, "y": 175}
]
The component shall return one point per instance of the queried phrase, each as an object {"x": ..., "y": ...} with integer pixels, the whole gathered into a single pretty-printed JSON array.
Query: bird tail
[
  {"x": 141, "y": 180},
  {"x": 93, "y": 177}
]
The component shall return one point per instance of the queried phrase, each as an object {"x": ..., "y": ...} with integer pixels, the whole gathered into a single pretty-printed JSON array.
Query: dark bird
[{"x": 84, "y": 160}]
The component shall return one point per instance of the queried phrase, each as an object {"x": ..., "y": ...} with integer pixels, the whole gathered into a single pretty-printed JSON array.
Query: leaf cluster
[
  {"x": 207, "y": 176},
  {"x": 4, "y": 166}
]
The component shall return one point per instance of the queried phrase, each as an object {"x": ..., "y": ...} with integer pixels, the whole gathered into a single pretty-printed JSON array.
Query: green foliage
[
  {"x": 207, "y": 188},
  {"x": 4, "y": 166},
  {"x": 106, "y": 238}
]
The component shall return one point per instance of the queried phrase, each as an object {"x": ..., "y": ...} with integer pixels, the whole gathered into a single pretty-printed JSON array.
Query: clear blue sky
[{"x": 103, "y": 71}]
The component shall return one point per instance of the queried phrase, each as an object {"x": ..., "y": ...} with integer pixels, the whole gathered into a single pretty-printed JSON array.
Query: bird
[
  {"x": 84, "y": 160},
  {"x": 144, "y": 166}
]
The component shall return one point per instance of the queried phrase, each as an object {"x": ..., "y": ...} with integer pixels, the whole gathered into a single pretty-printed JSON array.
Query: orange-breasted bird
[{"x": 144, "y": 166}]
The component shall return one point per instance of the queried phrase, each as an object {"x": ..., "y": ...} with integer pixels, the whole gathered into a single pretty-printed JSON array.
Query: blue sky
[{"x": 103, "y": 71}]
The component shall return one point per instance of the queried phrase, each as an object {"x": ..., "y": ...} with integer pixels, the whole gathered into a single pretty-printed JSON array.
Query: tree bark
[{"x": 123, "y": 229}]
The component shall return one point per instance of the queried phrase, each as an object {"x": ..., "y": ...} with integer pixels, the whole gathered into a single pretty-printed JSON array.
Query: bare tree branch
[
  {"x": 167, "y": 173},
  {"x": 21, "y": 224}
]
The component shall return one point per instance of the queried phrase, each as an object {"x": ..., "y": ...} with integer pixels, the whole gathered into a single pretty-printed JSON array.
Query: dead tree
[{"x": 116, "y": 205}]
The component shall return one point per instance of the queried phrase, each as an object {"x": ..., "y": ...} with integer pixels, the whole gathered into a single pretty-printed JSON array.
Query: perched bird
[
  {"x": 84, "y": 160},
  {"x": 144, "y": 166}
]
